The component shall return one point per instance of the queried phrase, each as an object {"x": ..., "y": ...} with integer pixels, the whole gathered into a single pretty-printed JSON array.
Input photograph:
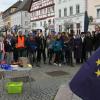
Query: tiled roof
[
  {"x": 25, "y": 5},
  {"x": 14, "y": 5}
]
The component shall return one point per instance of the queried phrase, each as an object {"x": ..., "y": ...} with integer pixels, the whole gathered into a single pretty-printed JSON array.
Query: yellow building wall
[{"x": 91, "y": 7}]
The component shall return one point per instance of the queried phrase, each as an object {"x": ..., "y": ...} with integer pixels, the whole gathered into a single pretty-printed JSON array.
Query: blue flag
[{"x": 86, "y": 83}]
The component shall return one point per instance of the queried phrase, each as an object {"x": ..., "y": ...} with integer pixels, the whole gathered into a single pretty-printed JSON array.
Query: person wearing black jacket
[
  {"x": 88, "y": 41},
  {"x": 8, "y": 46},
  {"x": 41, "y": 46},
  {"x": 77, "y": 48}
]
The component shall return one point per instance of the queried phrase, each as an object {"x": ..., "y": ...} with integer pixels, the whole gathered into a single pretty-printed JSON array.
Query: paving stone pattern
[{"x": 44, "y": 87}]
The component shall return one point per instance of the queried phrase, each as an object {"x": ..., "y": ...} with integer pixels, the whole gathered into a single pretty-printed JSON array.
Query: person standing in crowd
[
  {"x": 88, "y": 41},
  {"x": 71, "y": 45},
  {"x": 15, "y": 52},
  {"x": 57, "y": 48},
  {"x": 1, "y": 49},
  {"x": 77, "y": 48},
  {"x": 32, "y": 46},
  {"x": 43, "y": 48},
  {"x": 67, "y": 50},
  {"x": 50, "y": 40},
  {"x": 97, "y": 37},
  {"x": 8, "y": 46},
  {"x": 83, "y": 58},
  {"x": 20, "y": 45},
  {"x": 39, "y": 43},
  {"x": 62, "y": 37}
]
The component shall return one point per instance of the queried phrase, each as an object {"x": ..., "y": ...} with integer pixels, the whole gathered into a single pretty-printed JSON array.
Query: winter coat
[
  {"x": 8, "y": 45},
  {"x": 78, "y": 48},
  {"x": 97, "y": 41},
  {"x": 32, "y": 46},
  {"x": 88, "y": 43},
  {"x": 57, "y": 46}
]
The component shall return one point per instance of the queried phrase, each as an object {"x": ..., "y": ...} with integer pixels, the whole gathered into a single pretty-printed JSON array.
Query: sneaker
[
  {"x": 59, "y": 65},
  {"x": 55, "y": 64}
]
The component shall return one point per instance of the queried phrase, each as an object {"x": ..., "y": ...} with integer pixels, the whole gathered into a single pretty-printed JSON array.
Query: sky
[{"x": 4, "y": 4}]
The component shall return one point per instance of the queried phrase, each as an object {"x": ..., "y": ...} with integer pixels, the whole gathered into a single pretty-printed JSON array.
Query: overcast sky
[{"x": 4, "y": 4}]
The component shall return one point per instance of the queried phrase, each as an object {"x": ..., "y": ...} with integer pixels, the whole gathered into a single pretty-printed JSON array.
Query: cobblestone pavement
[{"x": 44, "y": 87}]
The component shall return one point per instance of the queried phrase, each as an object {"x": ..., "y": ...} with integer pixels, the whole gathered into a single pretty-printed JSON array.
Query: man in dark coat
[
  {"x": 71, "y": 45},
  {"x": 77, "y": 48},
  {"x": 83, "y": 58},
  {"x": 88, "y": 41}
]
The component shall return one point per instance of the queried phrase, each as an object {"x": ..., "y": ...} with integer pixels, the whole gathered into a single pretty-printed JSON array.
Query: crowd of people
[{"x": 57, "y": 49}]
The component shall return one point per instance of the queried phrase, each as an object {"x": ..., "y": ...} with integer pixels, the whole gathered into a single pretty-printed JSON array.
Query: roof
[
  {"x": 20, "y": 6},
  {"x": 15, "y": 5},
  {"x": 24, "y": 6}
]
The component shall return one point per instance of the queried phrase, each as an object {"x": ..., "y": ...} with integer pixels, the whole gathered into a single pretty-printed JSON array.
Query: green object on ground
[{"x": 14, "y": 87}]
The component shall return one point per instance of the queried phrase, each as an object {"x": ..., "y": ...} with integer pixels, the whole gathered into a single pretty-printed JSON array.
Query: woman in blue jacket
[{"x": 57, "y": 48}]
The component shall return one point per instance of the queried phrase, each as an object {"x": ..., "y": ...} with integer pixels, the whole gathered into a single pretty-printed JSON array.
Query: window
[
  {"x": 71, "y": 26},
  {"x": 52, "y": 8},
  {"x": 59, "y": 1},
  {"x": 40, "y": 23},
  {"x": 78, "y": 25},
  {"x": 71, "y": 10},
  {"x": 48, "y": 9},
  {"x": 45, "y": 23},
  {"x": 25, "y": 14},
  {"x": 53, "y": 21},
  {"x": 98, "y": 13},
  {"x": 26, "y": 23},
  {"x": 77, "y": 9},
  {"x": 65, "y": 12},
  {"x": 59, "y": 12},
  {"x": 41, "y": 12},
  {"x": 45, "y": 10},
  {"x": 49, "y": 21},
  {"x": 60, "y": 28},
  {"x": 34, "y": 24}
]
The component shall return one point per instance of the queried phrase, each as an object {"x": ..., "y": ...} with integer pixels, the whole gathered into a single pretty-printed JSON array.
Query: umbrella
[{"x": 86, "y": 22}]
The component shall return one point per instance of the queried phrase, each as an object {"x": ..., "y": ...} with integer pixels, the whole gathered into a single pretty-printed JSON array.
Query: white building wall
[
  {"x": 71, "y": 19},
  {"x": 40, "y": 24},
  {"x": 26, "y": 20},
  {"x": 21, "y": 18},
  {"x": 16, "y": 19}
]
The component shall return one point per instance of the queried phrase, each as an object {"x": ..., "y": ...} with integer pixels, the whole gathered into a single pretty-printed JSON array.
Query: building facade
[
  {"x": 20, "y": 19},
  {"x": 1, "y": 21},
  {"x": 17, "y": 16},
  {"x": 7, "y": 14},
  {"x": 42, "y": 14},
  {"x": 69, "y": 14},
  {"x": 97, "y": 14}
]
